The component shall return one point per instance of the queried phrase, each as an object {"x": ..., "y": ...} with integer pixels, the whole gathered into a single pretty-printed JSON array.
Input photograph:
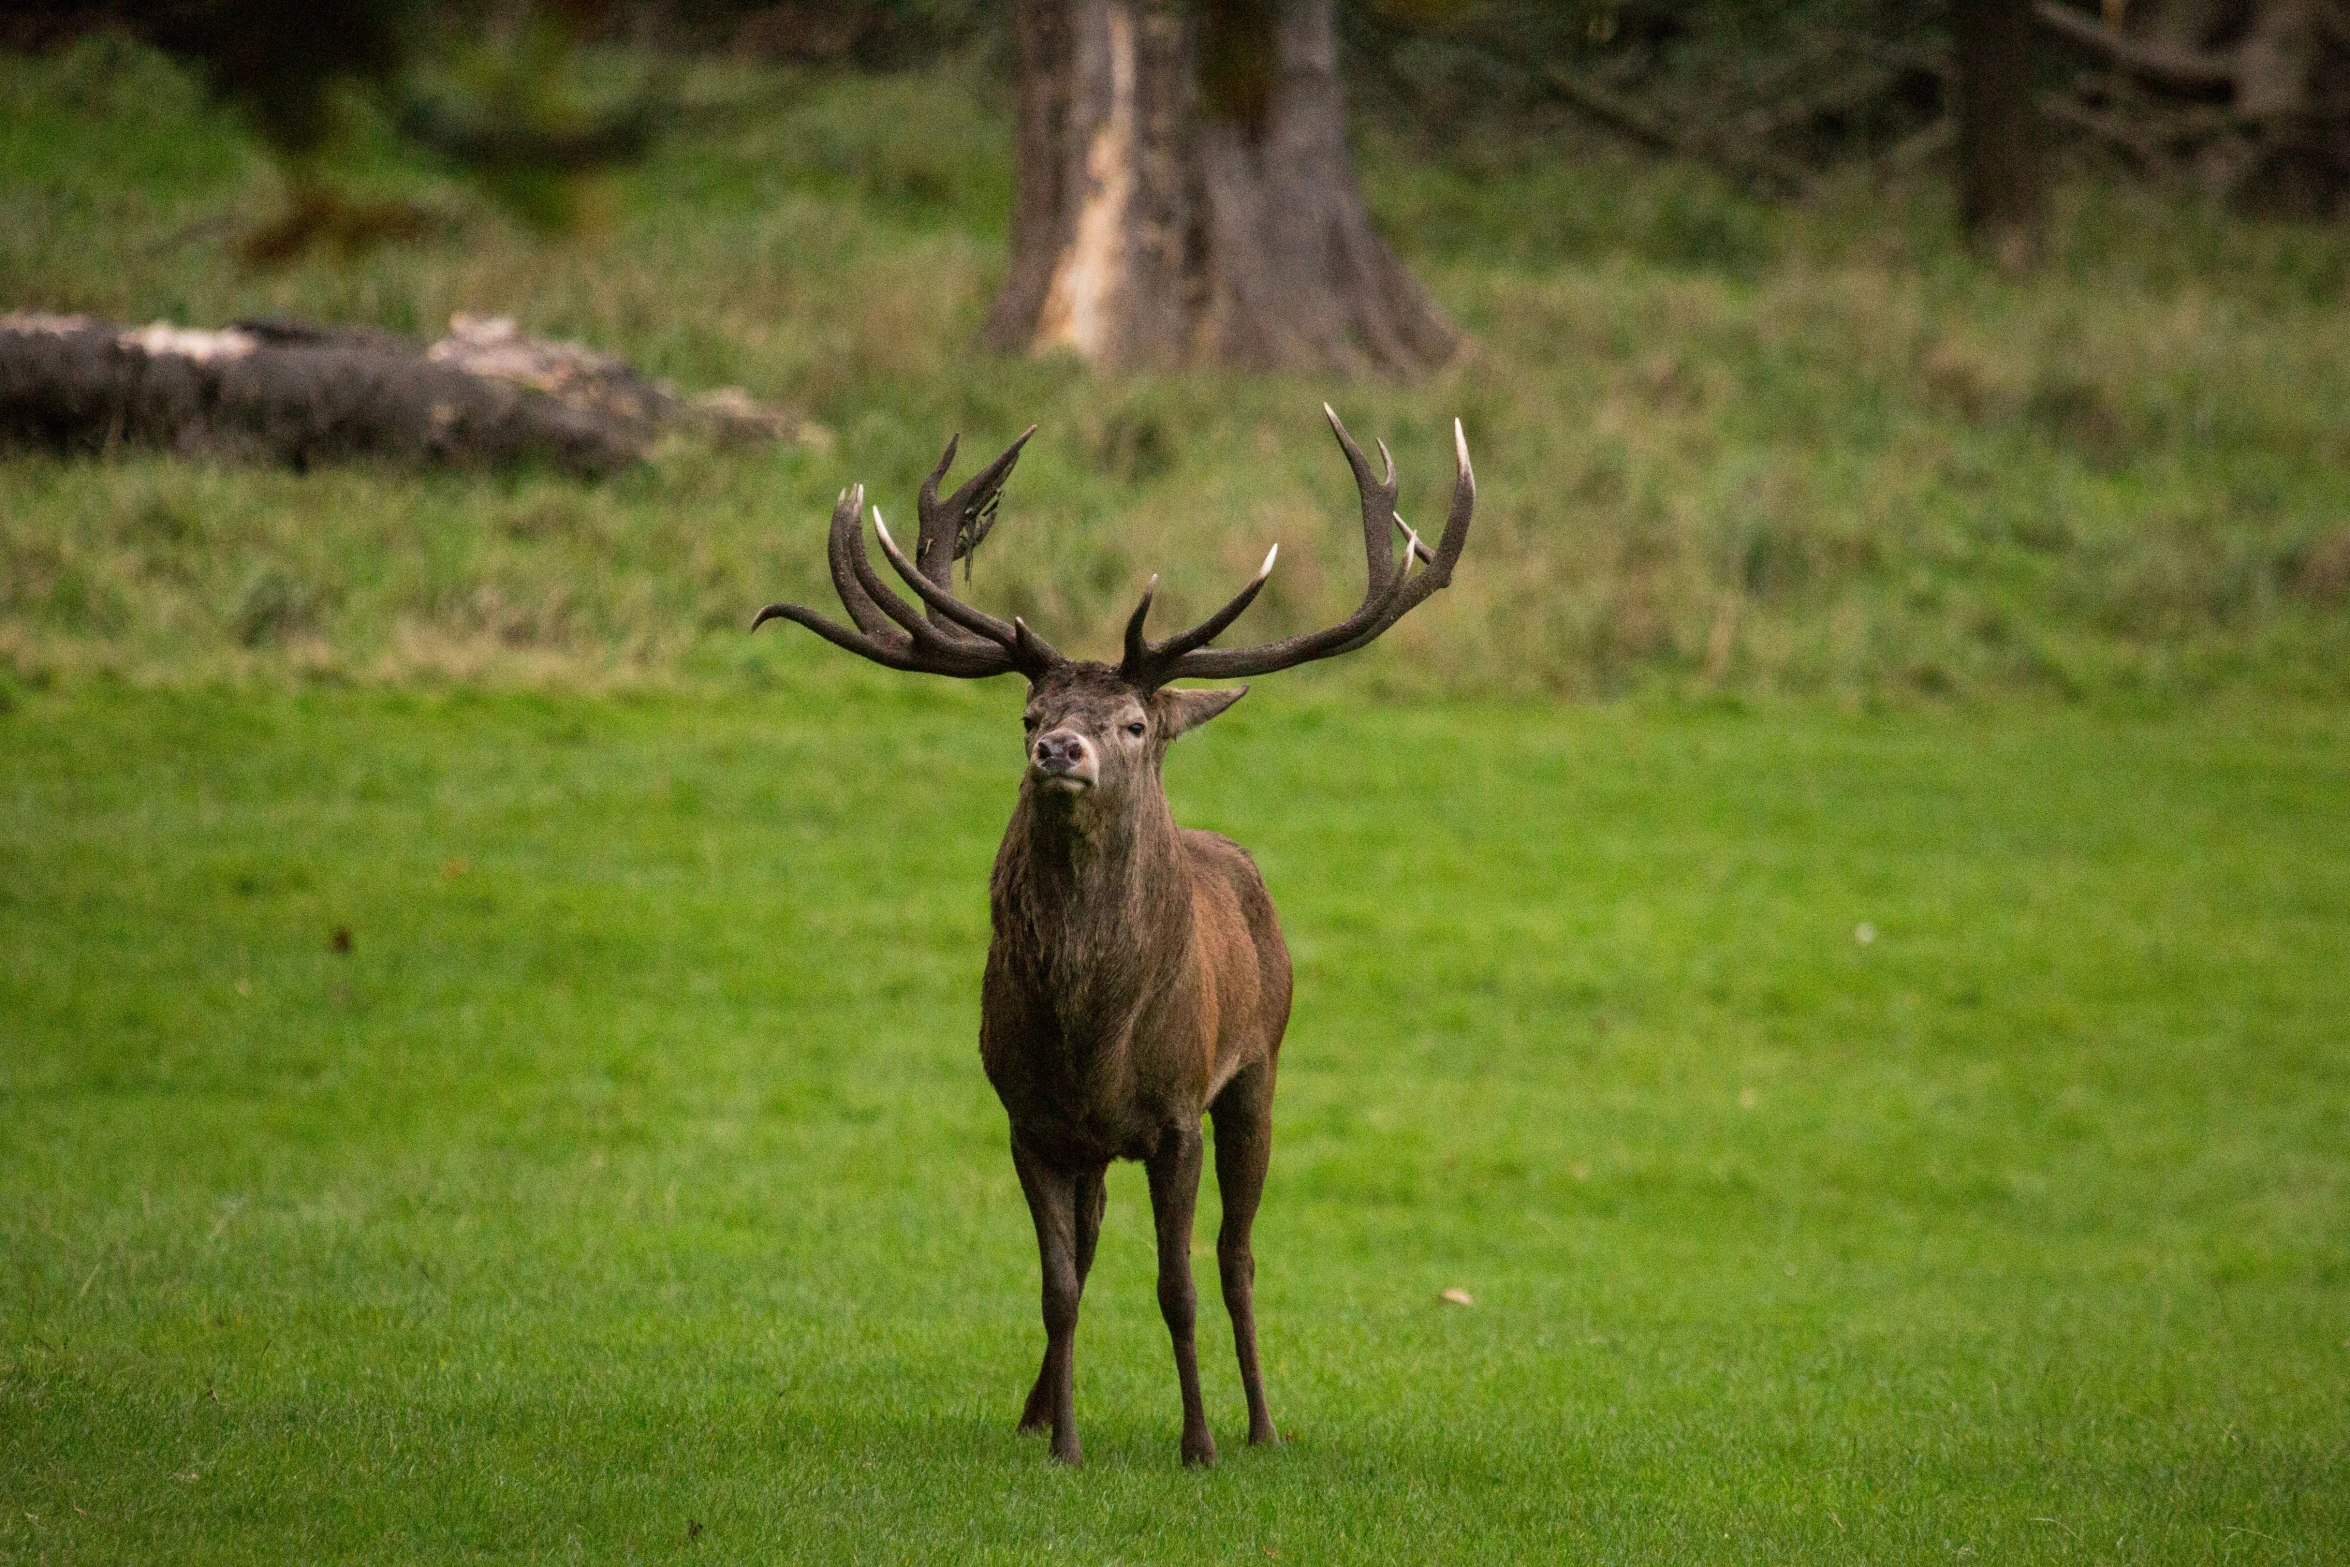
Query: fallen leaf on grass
[{"x": 1456, "y": 1296}]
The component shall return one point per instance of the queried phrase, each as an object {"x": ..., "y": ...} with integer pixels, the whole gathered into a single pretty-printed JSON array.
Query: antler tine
[
  {"x": 840, "y": 544},
  {"x": 892, "y": 655},
  {"x": 953, "y": 529},
  {"x": 1448, "y": 548},
  {"x": 974, "y": 622},
  {"x": 1138, "y": 651},
  {"x": 925, "y": 636},
  {"x": 1153, "y": 664},
  {"x": 927, "y": 536},
  {"x": 1388, "y": 596},
  {"x": 1209, "y": 629},
  {"x": 891, "y": 632},
  {"x": 853, "y": 576},
  {"x": 1378, "y": 497},
  {"x": 986, "y": 492},
  {"x": 1413, "y": 544},
  {"x": 1031, "y": 654},
  {"x": 1035, "y": 649}
]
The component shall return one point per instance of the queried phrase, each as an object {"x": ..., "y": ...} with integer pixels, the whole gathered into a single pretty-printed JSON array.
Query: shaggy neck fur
[{"x": 1100, "y": 896}]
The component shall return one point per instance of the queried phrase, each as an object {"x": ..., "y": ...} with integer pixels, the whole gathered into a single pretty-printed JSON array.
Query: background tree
[
  {"x": 2000, "y": 200},
  {"x": 1185, "y": 195}
]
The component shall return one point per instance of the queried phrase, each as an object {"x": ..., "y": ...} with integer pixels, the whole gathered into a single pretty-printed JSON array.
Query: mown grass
[
  {"x": 630, "y": 1189},
  {"x": 1723, "y": 446}
]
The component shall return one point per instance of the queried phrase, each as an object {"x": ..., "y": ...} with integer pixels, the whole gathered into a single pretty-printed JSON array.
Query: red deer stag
[{"x": 1137, "y": 978}]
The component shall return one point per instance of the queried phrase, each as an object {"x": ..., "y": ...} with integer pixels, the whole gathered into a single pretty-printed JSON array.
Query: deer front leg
[
  {"x": 1174, "y": 1172},
  {"x": 1092, "y": 1193},
  {"x": 1052, "y": 1203}
]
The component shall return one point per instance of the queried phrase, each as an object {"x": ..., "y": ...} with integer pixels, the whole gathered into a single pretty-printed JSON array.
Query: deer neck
[{"x": 1100, "y": 898}]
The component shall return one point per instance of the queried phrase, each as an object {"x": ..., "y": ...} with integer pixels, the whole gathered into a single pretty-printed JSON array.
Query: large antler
[
  {"x": 954, "y": 638},
  {"x": 1392, "y": 592}
]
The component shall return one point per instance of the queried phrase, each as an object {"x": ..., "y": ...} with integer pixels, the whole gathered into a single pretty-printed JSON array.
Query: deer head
[{"x": 1098, "y": 732}]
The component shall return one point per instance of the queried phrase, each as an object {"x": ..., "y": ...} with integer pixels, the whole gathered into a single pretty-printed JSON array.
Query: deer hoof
[
  {"x": 1069, "y": 1453},
  {"x": 1037, "y": 1414},
  {"x": 1199, "y": 1452}
]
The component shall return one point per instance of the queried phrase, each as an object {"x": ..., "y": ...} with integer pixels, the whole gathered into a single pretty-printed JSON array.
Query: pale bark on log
[{"x": 295, "y": 395}]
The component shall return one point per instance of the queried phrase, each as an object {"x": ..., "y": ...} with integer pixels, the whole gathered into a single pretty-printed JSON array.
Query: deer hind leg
[
  {"x": 1052, "y": 1203},
  {"x": 1091, "y": 1193},
  {"x": 1174, "y": 1173},
  {"x": 1244, "y": 1148}
]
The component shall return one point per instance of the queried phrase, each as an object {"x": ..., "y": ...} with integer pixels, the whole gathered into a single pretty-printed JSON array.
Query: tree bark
[
  {"x": 1185, "y": 196},
  {"x": 2001, "y": 204}
]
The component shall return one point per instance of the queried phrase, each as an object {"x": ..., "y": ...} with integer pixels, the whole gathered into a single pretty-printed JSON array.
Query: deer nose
[{"x": 1060, "y": 751}]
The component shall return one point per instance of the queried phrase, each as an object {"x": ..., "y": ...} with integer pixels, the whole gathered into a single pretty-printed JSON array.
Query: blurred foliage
[{"x": 508, "y": 96}]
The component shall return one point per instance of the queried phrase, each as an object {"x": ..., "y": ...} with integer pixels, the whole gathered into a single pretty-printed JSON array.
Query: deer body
[
  {"x": 1136, "y": 980},
  {"x": 1126, "y": 985}
]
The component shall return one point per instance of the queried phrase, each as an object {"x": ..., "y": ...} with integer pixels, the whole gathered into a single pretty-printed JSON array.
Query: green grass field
[{"x": 630, "y": 1189}]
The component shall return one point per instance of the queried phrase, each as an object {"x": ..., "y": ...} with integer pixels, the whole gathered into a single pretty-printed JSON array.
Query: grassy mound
[{"x": 1722, "y": 447}]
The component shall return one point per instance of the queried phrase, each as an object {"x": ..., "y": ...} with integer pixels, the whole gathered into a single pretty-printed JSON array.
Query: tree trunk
[
  {"x": 1185, "y": 196},
  {"x": 2000, "y": 203}
]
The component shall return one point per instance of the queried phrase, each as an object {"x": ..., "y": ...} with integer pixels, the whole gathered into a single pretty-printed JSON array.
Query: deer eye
[
  {"x": 1135, "y": 730},
  {"x": 1028, "y": 722}
]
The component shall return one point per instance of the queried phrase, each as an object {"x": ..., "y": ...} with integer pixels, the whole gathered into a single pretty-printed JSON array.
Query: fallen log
[{"x": 485, "y": 396}]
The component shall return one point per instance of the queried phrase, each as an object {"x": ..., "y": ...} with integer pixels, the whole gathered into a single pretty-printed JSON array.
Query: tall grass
[{"x": 1722, "y": 447}]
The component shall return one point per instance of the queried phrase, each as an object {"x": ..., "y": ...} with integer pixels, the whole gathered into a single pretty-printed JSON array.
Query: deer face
[{"x": 1092, "y": 733}]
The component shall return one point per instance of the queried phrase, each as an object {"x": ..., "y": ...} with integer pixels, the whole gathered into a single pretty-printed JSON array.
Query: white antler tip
[
  {"x": 1266, "y": 570},
  {"x": 883, "y": 529},
  {"x": 1460, "y": 444}
]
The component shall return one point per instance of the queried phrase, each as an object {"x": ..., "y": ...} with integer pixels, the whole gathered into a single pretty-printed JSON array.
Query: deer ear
[{"x": 1182, "y": 710}]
